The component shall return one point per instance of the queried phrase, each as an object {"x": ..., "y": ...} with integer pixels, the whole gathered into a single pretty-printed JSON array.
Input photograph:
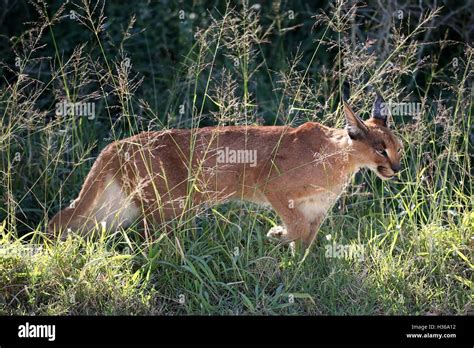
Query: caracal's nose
[{"x": 396, "y": 167}]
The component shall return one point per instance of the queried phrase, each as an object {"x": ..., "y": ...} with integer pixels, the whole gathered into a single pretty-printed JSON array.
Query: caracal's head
[{"x": 374, "y": 144}]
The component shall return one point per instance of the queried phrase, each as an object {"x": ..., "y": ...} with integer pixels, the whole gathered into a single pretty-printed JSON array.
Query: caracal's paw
[{"x": 277, "y": 232}]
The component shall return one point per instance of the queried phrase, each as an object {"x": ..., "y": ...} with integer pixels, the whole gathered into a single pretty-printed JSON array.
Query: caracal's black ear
[
  {"x": 380, "y": 111},
  {"x": 356, "y": 128}
]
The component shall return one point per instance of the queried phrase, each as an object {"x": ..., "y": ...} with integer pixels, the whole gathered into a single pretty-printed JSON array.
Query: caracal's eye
[
  {"x": 382, "y": 152},
  {"x": 399, "y": 150}
]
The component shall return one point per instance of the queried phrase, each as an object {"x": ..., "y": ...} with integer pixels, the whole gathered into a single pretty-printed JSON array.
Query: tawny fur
[{"x": 155, "y": 177}]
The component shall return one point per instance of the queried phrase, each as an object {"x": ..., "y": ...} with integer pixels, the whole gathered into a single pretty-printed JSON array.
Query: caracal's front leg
[{"x": 296, "y": 226}]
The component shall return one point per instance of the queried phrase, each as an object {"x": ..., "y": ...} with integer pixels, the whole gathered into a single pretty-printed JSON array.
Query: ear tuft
[
  {"x": 380, "y": 111},
  {"x": 356, "y": 128},
  {"x": 346, "y": 91}
]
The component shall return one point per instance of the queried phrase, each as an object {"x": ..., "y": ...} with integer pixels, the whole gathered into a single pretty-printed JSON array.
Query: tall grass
[{"x": 233, "y": 67}]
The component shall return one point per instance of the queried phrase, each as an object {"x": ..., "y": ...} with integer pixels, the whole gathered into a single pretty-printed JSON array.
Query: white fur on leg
[{"x": 276, "y": 232}]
